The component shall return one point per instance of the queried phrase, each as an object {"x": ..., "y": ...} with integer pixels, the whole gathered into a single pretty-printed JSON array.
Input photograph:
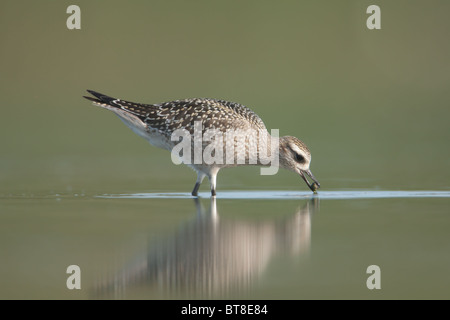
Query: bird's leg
[
  {"x": 195, "y": 191},
  {"x": 212, "y": 179},
  {"x": 200, "y": 176}
]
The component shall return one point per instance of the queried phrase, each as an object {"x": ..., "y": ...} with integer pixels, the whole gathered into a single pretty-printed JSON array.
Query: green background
[{"x": 372, "y": 105}]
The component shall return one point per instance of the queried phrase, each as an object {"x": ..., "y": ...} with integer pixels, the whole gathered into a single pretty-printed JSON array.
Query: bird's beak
[{"x": 313, "y": 186}]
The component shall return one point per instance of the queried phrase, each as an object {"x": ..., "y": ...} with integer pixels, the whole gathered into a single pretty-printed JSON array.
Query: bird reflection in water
[{"x": 209, "y": 257}]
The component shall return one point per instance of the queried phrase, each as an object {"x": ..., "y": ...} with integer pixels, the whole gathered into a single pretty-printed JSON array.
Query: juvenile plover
[{"x": 158, "y": 122}]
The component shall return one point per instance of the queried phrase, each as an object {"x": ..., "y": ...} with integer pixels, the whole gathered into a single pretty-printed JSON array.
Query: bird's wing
[
  {"x": 213, "y": 114},
  {"x": 182, "y": 114}
]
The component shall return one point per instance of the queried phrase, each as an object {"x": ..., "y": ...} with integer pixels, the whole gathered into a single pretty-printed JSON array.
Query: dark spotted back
[{"x": 182, "y": 114}]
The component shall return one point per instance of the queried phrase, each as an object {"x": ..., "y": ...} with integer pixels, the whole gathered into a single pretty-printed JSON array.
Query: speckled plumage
[
  {"x": 157, "y": 123},
  {"x": 169, "y": 116}
]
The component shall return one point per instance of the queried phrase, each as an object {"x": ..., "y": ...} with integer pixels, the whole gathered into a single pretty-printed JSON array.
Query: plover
[{"x": 157, "y": 123}]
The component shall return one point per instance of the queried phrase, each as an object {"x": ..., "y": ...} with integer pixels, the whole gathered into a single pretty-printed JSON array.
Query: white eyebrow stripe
[{"x": 297, "y": 149}]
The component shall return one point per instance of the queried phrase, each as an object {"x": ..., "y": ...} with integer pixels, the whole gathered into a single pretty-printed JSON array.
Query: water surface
[{"x": 244, "y": 244}]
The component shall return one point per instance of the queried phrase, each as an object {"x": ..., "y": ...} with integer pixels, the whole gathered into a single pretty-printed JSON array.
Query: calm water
[{"x": 246, "y": 245}]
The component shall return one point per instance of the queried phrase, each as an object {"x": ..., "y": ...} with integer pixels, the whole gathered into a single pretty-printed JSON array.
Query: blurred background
[{"x": 372, "y": 105}]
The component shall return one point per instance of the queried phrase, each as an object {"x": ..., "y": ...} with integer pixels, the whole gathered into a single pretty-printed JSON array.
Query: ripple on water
[{"x": 292, "y": 195}]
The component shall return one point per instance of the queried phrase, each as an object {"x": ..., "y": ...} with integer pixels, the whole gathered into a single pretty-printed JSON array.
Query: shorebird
[{"x": 158, "y": 122}]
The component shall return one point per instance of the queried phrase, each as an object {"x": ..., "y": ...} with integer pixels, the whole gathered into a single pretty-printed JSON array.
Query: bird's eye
[{"x": 299, "y": 157}]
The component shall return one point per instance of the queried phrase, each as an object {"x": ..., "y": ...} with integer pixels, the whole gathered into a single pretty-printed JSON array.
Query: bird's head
[{"x": 295, "y": 156}]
